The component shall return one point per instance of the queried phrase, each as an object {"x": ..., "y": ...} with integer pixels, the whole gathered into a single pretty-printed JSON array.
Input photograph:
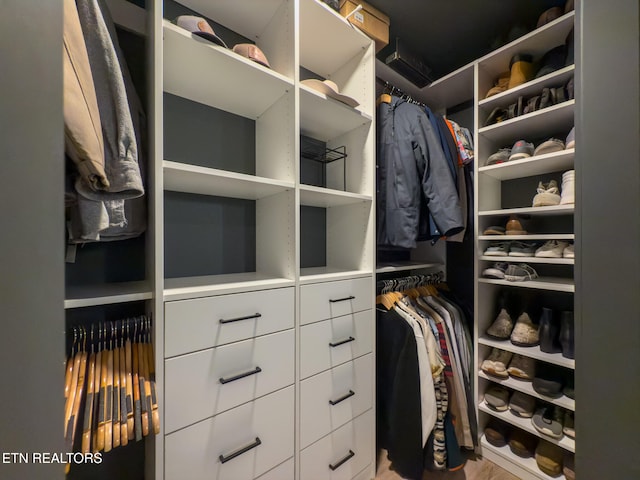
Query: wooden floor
[{"x": 475, "y": 469}]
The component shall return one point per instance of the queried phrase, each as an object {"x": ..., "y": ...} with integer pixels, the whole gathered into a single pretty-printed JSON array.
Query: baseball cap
[
  {"x": 200, "y": 27},
  {"x": 330, "y": 89},
  {"x": 252, "y": 52}
]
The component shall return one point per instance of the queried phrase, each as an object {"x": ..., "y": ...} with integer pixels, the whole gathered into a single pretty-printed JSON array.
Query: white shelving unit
[
  {"x": 499, "y": 186},
  {"x": 292, "y": 35}
]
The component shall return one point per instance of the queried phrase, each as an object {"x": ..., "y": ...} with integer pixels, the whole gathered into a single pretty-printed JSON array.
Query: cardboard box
[{"x": 370, "y": 20}]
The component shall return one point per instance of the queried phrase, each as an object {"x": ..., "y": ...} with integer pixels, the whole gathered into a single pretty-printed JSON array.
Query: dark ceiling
[{"x": 448, "y": 34}]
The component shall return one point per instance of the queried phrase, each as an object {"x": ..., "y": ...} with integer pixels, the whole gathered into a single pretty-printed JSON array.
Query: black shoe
[
  {"x": 549, "y": 330},
  {"x": 567, "y": 334}
]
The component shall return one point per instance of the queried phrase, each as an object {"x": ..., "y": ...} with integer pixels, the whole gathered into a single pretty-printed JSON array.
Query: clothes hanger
[
  {"x": 137, "y": 413},
  {"x": 143, "y": 375},
  {"x": 130, "y": 386},
  {"x": 101, "y": 381},
  {"x": 88, "y": 408},
  {"x": 124, "y": 433},
  {"x": 155, "y": 414},
  {"x": 116, "y": 386}
]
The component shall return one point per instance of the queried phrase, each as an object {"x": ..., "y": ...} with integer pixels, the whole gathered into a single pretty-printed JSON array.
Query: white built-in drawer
[
  {"x": 327, "y": 344},
  {"x": 319, "y": 301},
  {"x": 199, "y": 385},
  {"x": 192, "y": 325},
  {"x": 262, "y": 430},
  {"x": 367, "y": 474},
  {"x": 332, "y": 398},
  {"x": 341, "y": 455},
  {"x": 281, "y": 472}
]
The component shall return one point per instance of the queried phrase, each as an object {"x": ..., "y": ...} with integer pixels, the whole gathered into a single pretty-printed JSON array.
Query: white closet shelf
[
  {"x": 525, "y": 424},
  {"x": 526, "y": 387},
  {"x": 535, "y": 43},
  {"x": 182, "y": 177},
  {"x": 533, "y": 352},
  {"x": 529, "y": 89},
  {"x": 330, "y": 274},
  {"x": 192, "y": 70},
  {"x": 89, "y": 296},
  {"x": 533, "y": 236},
  {"x": 312, "y": 196},
  {"x": 548, "y": 122},
  {"x": 554, "y": 284},
  {"x": 527, "y": 167},
  {"x": 550, "y": 261},
  {"x": 405, "y": 266},
  {"x": 505, "y": 458},
  {"x": 325, "y": 118},
  {"x": 452, "y": 89},
  {"x": 324, "y": 53},
  {"x": 551, "y": 210},
  {"x": 128, "y": 16},
  {"x": 249, "y": 18},
  {"x": 206, "y": 286}
]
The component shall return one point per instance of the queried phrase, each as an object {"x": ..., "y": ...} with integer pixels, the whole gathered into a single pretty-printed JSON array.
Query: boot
[
  {"x": 549, "y": 332},
  {"x": 567, "y": 333},
  {"x": 500, "y": 86},
  {"x": 521, "y": 70}
]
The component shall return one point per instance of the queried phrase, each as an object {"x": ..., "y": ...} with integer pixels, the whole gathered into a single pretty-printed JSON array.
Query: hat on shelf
[
  {"x": 200, "y": 27},
  {"x": 330, "y": 89},
  {"x": 252, "y": 52}
]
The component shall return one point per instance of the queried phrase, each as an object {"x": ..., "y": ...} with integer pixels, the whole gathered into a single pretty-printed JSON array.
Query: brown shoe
[
  {"x": 496, "y": 363},
  {"x": 502, "y": 326},
  {"x": 522, "y": 367},
  {"x": 522, "y": 443},
  {"x": 549, "y": 458},
  {"x": 525, "y": 333},
  {"x": 501, "y": 84},
  {"x": 514, "y": 227}
]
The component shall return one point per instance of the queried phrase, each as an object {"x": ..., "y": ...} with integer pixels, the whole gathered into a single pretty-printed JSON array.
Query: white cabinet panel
[
  {"x": 201, "y": 384},
  {"x": 333, "y": 398},
  {"x": 281, "y": 472},
  {"x": 192, "y": 325},
  {"x": 326, "y": 344},
  {"x": 342, "y": 454},
  {"x": 211, "y": 449},
  {"x": 319, "y": 301}
]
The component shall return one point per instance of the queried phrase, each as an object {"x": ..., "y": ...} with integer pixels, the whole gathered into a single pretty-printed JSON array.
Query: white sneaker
[
  {"x": 568, "y": 188},
  {"x": 552, "y": 249},
  {"x": 568, "y": 252},
  {"x": 548, "y": 194}
]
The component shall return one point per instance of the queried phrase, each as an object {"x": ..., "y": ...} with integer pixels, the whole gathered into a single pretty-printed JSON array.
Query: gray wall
[
  {"x": 608, "y": 241},
  {"x": 32, "y": 238}
]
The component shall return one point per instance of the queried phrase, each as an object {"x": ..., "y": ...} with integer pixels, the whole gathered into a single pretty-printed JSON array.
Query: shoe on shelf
[
  {"x": 520, "y": 273},
  {"x": 502, "y": 326},
  {"x": 567, "y": 334},
  {"x": 548, "y": 382},
  {"x": 497, "y": 115},
  {"x": 569, "y": 251},
  {"x": 522, "y": 405},
  {"x": 496, "y": 433},
  {"x": 552, "y": 249},
  {"x": 548, "y": 420},
  {"x": 521, "y": 67},
  {"x": 548, "y": 194},
  {"x": 569, "y": 429},
  {"x": 549, "y": 16},
  {"x": 497, "y": 398},
  {"x": 522, "y": 444},
  {"x": 567, "y": 197},
  {"x": 548, "y": 332},
  {"x": 570, "y": 142},
  {"x": 525, "y": 332},
  {"x": 568, "y": 390},
  {"x": 494, "y": 230},
  {"x": 496, "y": 363},
  {"x": 514, "y": 227},
  {"x": 500, "y": 156},
  {"x": 522, "y": 368},
  {"x": 521, "y": 149},
  {"x": 549, "y": 458},
  {"x": 496, "y": 271},
  {"x": 569, "y": 463},
  {"x": 549, "y": 146},
  {"x": 552, "y": 60},
  {"x": 522, "y": 249},
  {"x": 497, "y": 249},
  {"x": 501, "y": 84}
]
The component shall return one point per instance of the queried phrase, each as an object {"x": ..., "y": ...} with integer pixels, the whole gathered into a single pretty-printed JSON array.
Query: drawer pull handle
[
  {"x": 342, "y": 299},
  {"x": 342, "y": 342},
  {"x": 233, "y": 455},
  {"x": 239, "y": 376},
  {"x": 230, "y": 320},
  {"x": 349, "y": 456},
  {"x": 343, "y": 398}
]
